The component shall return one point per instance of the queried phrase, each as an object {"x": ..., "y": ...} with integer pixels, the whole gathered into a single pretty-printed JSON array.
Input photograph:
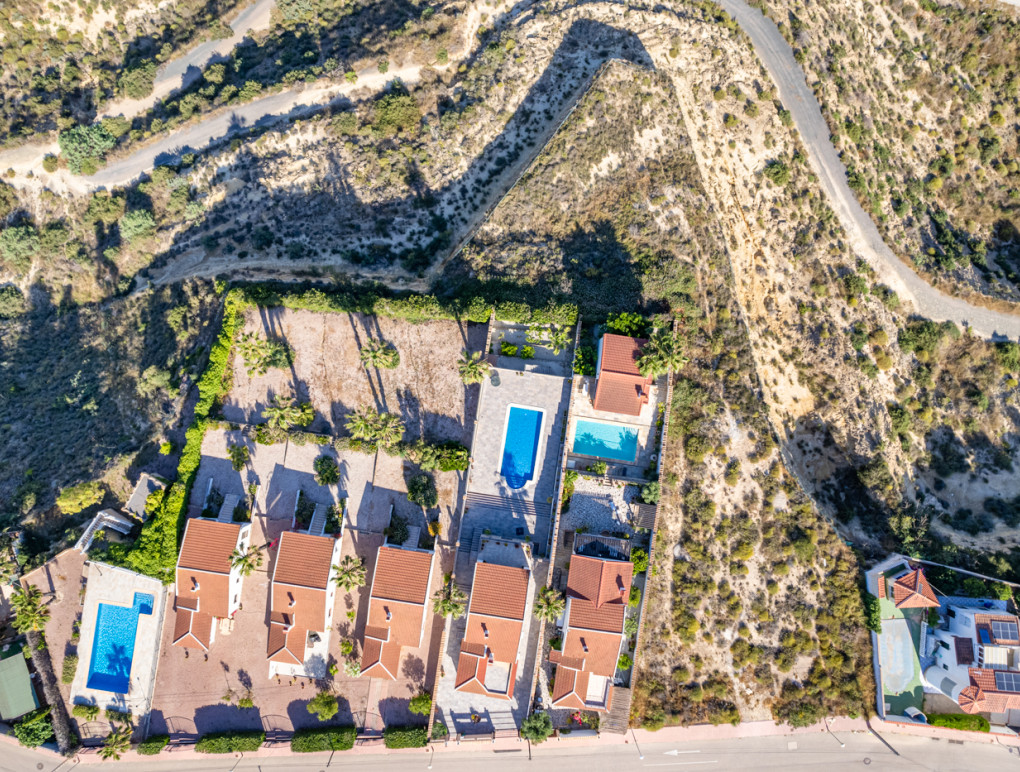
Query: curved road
[{"x": 777, "y": 56}]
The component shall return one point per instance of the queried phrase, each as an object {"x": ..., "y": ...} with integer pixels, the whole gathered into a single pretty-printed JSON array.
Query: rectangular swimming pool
[
  {"x": 606, "y": 440},
  {"x": 113, "y": 644},
  {"x": 520, "y": 445}
]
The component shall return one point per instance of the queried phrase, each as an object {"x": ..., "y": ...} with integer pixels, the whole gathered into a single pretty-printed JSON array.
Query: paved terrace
[{"x": 598, "y": 507}]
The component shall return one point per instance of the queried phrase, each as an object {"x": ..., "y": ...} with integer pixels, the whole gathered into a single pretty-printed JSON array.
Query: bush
[
  {"x": 507, "y": 349},
  {"x": 85, "y": 712},
  {"x": 421, "y": 704},
  {"x": 536, "y": 728},
  {"x": 640, "y": 560},
  {"x": 326, "y": 470},
  {"x": 231, "y": 742},
  {"x": 629, "y": 323},
  {"x": 72, "y": 500},
  {"x": 49, "y": 163},
  {"x": 778, "y": 172},
  {"x": 584, "y": 360},
  {"x": 70, "y": 668},
  {"x": 84, "y": 147},
  {"x": 624, "y": 662},
  {"x": 405, "y": 736},
  {"x": 323, "y": 705},
  {"x": 12, "y": 302},
  {"x": 421, "y": 490},
  {"x": 34, "y": 729},
  {"x": 153, "y": 745},
  {"x": 650, "y": 493},
  {"x": 333, "y": 739},
  {"x": 962, "y": 721},
  {"x": 18, "y": 245},
  {"x": 137, "y": 224},
  {"x": 872, "y": 613}
]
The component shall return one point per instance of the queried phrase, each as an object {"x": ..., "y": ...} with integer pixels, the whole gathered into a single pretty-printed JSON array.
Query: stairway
[
  {"x": 230, "y": 502},
  {"x": 523, "y": 507},
  {"x": 318, "y": 525}
]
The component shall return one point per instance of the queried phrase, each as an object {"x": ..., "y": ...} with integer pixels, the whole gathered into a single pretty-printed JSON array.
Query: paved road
[
  {"x": 778, "y": 754},
  {"x": 797, "y": 97}
]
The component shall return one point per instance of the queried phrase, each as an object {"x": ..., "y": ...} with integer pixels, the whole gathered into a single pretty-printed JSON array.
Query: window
[
  {"x": 944, "y": 645},
  {"x": 1004, "y": 630},
  {"x": 1007, "y": 681}
]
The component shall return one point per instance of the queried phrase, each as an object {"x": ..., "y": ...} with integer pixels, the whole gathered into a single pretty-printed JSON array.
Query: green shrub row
[
  {"x": 153, "y": 745},
  {"x": 155, "y": 552},
  {"x": 231, "y": 742},
  {"x": 340, "y": 738},
  {"x": 959, "y": 721},
  {"x": 405, "y": 736}
]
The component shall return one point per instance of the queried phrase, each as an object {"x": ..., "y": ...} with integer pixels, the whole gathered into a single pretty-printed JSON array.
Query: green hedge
[
  {"x": 959, "y": 721},
  {"x": 310, "y": 740},
  {"x": 153, "y": 745},
  {"x": 231, "y": 742},
  {"x": 405, "y": 736},
  {"x": 155, "y": 552}
]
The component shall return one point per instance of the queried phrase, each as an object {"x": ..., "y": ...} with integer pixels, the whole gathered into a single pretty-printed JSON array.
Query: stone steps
[
  {"x": 318, "y": 525},
  {"x": 230, "y": 502}
]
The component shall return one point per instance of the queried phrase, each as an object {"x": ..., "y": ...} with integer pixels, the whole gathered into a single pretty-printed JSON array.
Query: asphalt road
[
  {"x": 777, "y": 56},
  {"x": 764, "y": 754}
]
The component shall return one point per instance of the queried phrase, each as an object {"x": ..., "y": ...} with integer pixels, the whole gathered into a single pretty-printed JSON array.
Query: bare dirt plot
[{"x": 424, "y": 388}]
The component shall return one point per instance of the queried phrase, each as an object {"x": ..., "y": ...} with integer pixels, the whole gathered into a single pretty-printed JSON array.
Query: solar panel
[
  {"x": 1007, "y": 681},
  {"x": 1004, "y": 631}
]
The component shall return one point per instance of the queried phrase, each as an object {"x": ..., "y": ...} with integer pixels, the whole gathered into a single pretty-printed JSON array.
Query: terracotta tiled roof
[
  {"x": 913, "y": 591},
  {"x": 192, "y": 630},
  {"x": 599, "y": 590},
  {"x": 598, "y": 651},
  {"x": 402, "y": 574},
  {"x": 972, "y": 699},
  {"x": 881, "y": 586},
  {"x": 207, "y": 545},
  {"x": 620, "y": 387},
  {"x": 500, "y": 591},
  {"x": 984, "y": 622},
  {"x": 987, "y": 699},
  {"x": 304, "y": 560},
  {"x": 400, "y": 588},
  {"x": 571, "y": 691},
  {"x": 964, "y": 650},
  {"x": 298, "y": 595}
]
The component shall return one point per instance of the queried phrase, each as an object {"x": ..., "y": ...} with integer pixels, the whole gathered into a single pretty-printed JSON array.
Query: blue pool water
[
  {"x": 520, "y": 448},
  {"x": 113, "y": 646},
  {"x": 612, "y": 441}
]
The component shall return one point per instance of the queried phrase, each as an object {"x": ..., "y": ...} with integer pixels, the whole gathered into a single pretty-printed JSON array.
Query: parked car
[{"x": 915, "y": 715}]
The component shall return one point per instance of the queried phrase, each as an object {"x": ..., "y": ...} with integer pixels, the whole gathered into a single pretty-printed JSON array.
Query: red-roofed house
[
  {"x": 597, "y": 594},
  {"x": 620, "y": 387},
  {"x": 208, "y": 587},
  {"x": 396, "y": 609},
  {"x": 301, "y": 599},
  {"x": 490, "y": 649},
  {"x": 911, "y": 590}
]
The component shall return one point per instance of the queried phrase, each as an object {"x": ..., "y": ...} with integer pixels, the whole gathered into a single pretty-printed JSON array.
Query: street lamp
[
  {"x": 841, "y": 743},
  {"x": 640, "y": 755}
]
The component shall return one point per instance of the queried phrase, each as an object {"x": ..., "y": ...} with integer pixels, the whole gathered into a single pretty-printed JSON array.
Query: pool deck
[{"x": 117, "y": 586}]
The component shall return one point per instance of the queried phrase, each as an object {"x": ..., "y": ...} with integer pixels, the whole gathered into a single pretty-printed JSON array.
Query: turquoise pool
[
  {"x": 520, "y": 445},
  {"x": 603, "y": 440},
  {"x": 113, "y": 647}
]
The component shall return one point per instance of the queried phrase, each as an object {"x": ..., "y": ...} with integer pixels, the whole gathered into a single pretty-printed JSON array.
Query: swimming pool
[
  {"x": 113, "y": 647},
  {"x": 604, "y": 440},
  {"x": 520, "y": 445}
]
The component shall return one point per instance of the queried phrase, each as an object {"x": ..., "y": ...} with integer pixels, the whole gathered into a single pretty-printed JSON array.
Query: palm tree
[
  {"x": 286, "y": 412},
  {"x": 119, "y": 742},
  {"x": 370, "y": 425},
  {"x": 239, "y": 455},
  {"x": 389, "y": 430},
  {"x": 29, "y": 612},
  {"x": 449, "y": 601},
  {"x": 472, "y": 367},
  {"x": 350, "y": 573},
  {"x": 549, "y": 605},
  {"x": 662, "y": 353},
  {"x": 377, "y": 353},
  {"x": 246, "y": 561}
]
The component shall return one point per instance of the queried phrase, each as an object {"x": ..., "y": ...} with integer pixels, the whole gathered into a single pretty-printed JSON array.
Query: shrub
[
  {"x": 421, "y": 490},
  {"x": 323, "y": 705},
  {"x": 439, "y": 730},
  {"x": 84, "y": 147},
  {"x": 137, "y": 224},
  {"x": 650, "y": 493},
  {"x": 396, "y": 113},
  {"x": 49, "y": 163},
  {"x": 629, "y": 323},
  {"x": 70, "y": 668},
  {"x": 405, "y": 737},
  {"x": 332, "y": 739},
  {"x": 777, "y": 172},
  {"x": 231, "y": 742},
  {"x": 584, "y": 360},
  {"x": 85, "y": 712},
  {"x": 153, "y": 745},
  {"x": 326, "y": 470},
  {"x": 527, "y": 352},
  {"x": 635, "y": 597},
  {"x": 872, "y": 613},
  {"x": 507, "y": 349},
  {"x": 12, "y": 302},
  {"x": 962, "y": 721},
  {"x": 34, "y": 729},
  {"x": 421, "y": 704},
  {"x": 536, "y": 728},
  {"x": 640, "y": 560},
  {"x": 624, "y": 662},
  {"x": 18, "y": 245},
  {"x": 74, "y": 499}
]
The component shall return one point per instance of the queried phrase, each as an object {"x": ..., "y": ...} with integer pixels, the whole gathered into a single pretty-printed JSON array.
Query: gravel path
[{"x": 797, "y": 97}]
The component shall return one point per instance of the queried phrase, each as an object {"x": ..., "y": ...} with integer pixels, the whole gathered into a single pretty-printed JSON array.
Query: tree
[
  {"x": 369, "y": 424},
  {"x": 261, "y": 353},
  {"x": 662, "y": 353},
  {"x": 74, "y": 499},
  {"x": 246, "y": 561},
  {"x": 628, "y": 323},
  {"x": 239, "y": 455},
  {"x": 286, "y": 412},
  {"x": 550, "y": 604},
  {"x": 421, "y": 704},
  {"x": 377, "y": 353},
  {"x": 116, "y": 744},
  {"x": 137, "y": 224},
  {"x": 473, "y": 368},
  {"x": 12, "y": 301},
  {"x": 18, "y": 245},
  {"x": 449, "y": 601},
  {"x": 537, "y": 727},
  {"x": 350, "y": 573},
  {"x": 778, "y": 172},
  {"x": 421, "y": 490},
  {"x": 34, "y": 729},
  {"x": 324, "y": 705},
  {"x": 326, "y": 470},
  {"x": 29, "y": 612},
  {"x": 84, "y": 147}
]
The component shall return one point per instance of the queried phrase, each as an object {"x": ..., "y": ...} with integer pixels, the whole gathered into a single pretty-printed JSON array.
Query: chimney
[
  {"x": 389, "y": 614},
  {"x": 584, "y": 645},
  {"x": 485, "y": 630}
]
